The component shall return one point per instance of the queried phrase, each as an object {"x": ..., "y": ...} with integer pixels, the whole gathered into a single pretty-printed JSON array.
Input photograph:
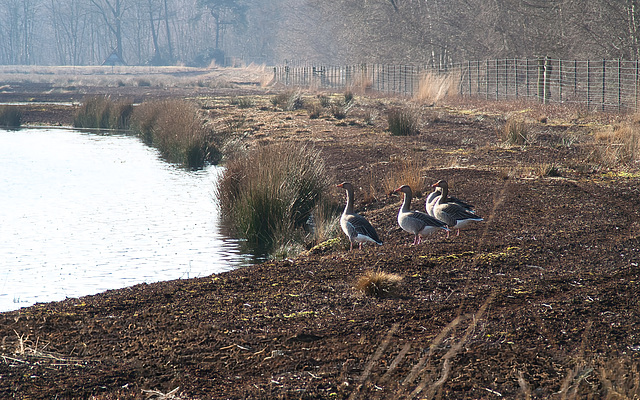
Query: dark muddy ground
[{"x": 540, "y": 300}]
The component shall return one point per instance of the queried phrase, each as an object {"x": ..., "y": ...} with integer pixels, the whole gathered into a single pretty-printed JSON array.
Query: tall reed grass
[
  {"x": 268, "y": 194},
  {"x": 175, "y": 128},
  {"x": 619, "y": 144},
  {"x": 515, "y": 132},
  {"x": 102, "y": 112},
  {"x": 435, "y": 87},
  {"x": 10, "y": 117},
  {"x": 405, "y": 172}
]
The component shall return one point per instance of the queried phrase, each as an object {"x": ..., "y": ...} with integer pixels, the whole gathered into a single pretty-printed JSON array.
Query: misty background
[{"x": 428, "y": 32}]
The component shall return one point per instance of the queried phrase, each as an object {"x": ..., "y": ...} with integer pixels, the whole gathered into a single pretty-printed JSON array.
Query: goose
[
  {"x": 434, "y": 196},
  {"x": 416, "y": 222},
  {"x": 453, "y": 213},
  {"x": 355, "y": 226}
]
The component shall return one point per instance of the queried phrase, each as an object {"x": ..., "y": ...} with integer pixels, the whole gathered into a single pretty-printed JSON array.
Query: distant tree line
[{"x": 434, "y": 32}]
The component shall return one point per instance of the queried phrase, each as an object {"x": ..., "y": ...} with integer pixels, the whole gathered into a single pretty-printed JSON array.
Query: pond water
[{"x": 81, "y": 213}]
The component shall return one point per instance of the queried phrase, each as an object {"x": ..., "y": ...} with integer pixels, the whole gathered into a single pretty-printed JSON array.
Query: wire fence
[{"x": 607, "y": 85}]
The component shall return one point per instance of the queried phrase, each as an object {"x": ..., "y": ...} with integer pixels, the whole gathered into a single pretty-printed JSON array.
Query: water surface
[{"x": 81, "y": 213}]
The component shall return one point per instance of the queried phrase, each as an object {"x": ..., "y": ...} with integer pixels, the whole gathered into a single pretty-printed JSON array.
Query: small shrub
[
  {"x": 348, "y": 97},
  {"x": 402, "y": 122},
  {"x": 143, "y": 82},
  {"x": 268, "y": 194},
  {"x": 242, "y": 102},
  {"x": 370, "y": 117},
  {"x": 315, "y": 111},
  {"x": 548, "y": 170},
  {"x": 325, "y": 101},
  {"x": 339, "y": 110},
  {"x": 288, "y": 101},
  {"x": 379, "y": 284},
  {"x": 10, "y": 117},
  {"x": 515, "y": 132}
]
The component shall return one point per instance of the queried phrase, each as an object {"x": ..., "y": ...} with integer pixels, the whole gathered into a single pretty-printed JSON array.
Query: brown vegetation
[{"x": 538, "y": 301}]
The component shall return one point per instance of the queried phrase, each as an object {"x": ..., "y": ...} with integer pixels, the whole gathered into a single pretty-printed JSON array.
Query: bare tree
[{"x": 112, "y": 13}]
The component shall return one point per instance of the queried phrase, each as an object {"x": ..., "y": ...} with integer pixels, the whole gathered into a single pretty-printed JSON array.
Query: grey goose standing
[
  {"x": 434, "y": 196},
  {"x": 451, "y": 212},
  {"x": 355, "y": 226},
  {"x": 416, "y": 222}
]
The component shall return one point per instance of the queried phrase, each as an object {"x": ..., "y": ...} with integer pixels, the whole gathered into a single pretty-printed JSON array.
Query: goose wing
[
  {"x": 427, "y": 220},
  {"x": 358, "y": 225}
]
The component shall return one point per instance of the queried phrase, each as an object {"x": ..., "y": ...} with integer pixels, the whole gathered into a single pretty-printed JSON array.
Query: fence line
[{"x": 607, "y": 85}]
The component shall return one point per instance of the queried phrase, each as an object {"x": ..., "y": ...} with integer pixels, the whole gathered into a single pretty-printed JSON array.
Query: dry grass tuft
[
  {"x": 434, "y": 87},
  {"x": 379, "y": 284},
  {"x": 515, "y": 132},
  {"x": 620, "y": 379},
  {"x": 402, "y": 122},
  {"x": 618, "y": 144},
  {"x": 548, "y": 170},
  {"x": 407, "y": 172}
]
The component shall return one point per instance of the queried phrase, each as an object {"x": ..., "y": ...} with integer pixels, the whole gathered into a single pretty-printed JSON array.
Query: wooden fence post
[
  {"x": 526, "y": 77},
  {"x": 636, "y": 87},
  {"x": 588, "y": 83},
  {"x": 604, "y": 71},
  {"x": 478, "y": 77},
  {"x": 515, "y": 68},
  {"x": 547, "y": 81},
  {"x": 497, "y": 79},
  {"x": 560, "y": 81},
  {"x": 575, "y": 78},
  {"x": 619, "y": 86},
  {"x": 540, "y": 83}
]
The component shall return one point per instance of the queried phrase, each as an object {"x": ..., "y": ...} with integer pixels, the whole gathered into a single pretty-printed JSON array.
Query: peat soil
[{"x": 541, "y": 300}]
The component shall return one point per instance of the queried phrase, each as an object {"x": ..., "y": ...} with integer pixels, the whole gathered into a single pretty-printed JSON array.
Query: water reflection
[{"x": 82, "y": 213}]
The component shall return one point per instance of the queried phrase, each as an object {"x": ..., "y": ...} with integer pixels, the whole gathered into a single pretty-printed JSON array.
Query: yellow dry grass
[
  {"x": 435, "y": 87},
  {"x": 379, "y": 284}
]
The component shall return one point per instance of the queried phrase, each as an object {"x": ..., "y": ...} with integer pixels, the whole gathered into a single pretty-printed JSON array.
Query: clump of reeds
[
  {"x": 402, "y": 122},
  {"x": 340, "y": 107},
  {"x": 288, "y": 101},
  {"x": 435, "y": 87},
  {"x": 175, "y": 128},
  {"x": 242, "y": 102},
  {"x": 515, "y": 132},
  {"x": 548, "y": 170},
  {"x": 268, "y": 194},
  {"x": 315, "y": 110},
  {"x": 325, "y": 101},
  {"x": 620, "y": 143},
  {"x": 379, "y": 284},
  {"x": 101, "y": 112},
  {"x": 324, "y": 222},
  {"x": 10, "y": 117}
]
